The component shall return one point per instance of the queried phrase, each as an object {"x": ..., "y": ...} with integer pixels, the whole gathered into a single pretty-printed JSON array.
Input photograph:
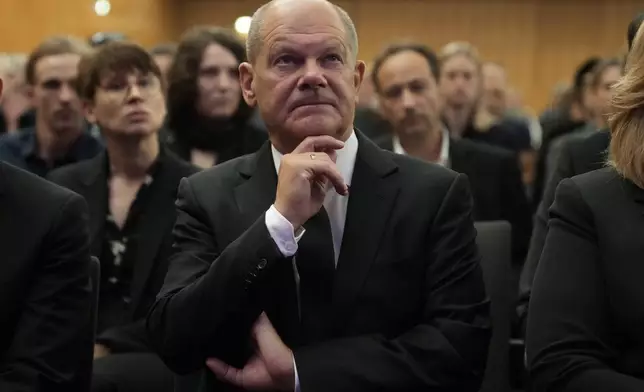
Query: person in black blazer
[
  {"x": 130, "y": 190},
  {"x": 580, "y": 154},
  {"x": 45, "y": 290},
  {"x": 585, "y": 319},
  {"x": 405, "y": 76},
  {"x": 351, "y": 268}
]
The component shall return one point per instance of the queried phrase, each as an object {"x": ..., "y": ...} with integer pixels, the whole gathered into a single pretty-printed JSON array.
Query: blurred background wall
[{"x": 539, "y": 41}]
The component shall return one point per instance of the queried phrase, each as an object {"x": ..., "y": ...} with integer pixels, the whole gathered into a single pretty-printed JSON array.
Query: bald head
[{"x": 274, "y": 9}]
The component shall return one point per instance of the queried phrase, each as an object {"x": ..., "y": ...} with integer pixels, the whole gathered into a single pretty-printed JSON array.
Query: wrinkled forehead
[{"x": 305, "y": 27}]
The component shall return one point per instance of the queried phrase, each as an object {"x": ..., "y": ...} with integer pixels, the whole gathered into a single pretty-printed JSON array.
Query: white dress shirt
[
  {"x": 283, "y": 232},
  {"x": 443, "y": 157},
  {"x": 281, "y": 229}
]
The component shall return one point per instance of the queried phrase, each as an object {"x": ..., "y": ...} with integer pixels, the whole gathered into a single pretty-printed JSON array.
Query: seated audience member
[
  {"x": 579, "y": 154},
  {"x": 406, "y": 79},
  {"x": 45, "y": 289},
  {"x": 587, "y": 307},
  {"x": 605, "y": 74},
  {"x": 60, "y": 136},
  {"x": 460, "y": 89},
  {"x": 209, "y": 122},
  {"x": 575, "y": 113},
  {"x": 381, "y": 290},
  {"x": 130, "y": 189}
]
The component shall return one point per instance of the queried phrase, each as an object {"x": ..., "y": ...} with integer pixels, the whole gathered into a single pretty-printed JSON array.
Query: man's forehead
[
  {"x": 304, "y": 18},
  {"x": 58, "y": 66}
]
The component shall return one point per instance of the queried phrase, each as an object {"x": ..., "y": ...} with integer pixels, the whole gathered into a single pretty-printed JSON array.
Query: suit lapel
[
  {"x": 374, "y": 188},
  {"x": 94, "y": 190},
  {"x": 255, "y": 195},
  {"x": 155, "y": 224}
]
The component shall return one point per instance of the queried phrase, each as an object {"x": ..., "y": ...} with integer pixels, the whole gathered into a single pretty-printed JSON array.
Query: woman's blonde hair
[{"x": 626, "y": 152}]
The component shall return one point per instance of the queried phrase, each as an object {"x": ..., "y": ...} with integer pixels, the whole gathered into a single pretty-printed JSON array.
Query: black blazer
[
  {"x": 250, "y": 140},
  {"x": 495, "y": 180},
  {"x": 579, "y": 155},
  {"x": 45, "y": 291},
  {"x": 409, "y": 307},
  {"x": 89, "y": 179},
  {"x": 587, "y": 308}
]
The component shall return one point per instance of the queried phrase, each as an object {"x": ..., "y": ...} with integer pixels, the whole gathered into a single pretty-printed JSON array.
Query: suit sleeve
[
  {"x": 564, "y": 169},
  {"x": 569, "y": 340},
  {"x": 447, "y": 350},
  {"x": 517, "y": 210},
  {"x": 210, "y": 297},
  {"x": 45, "y": 353}
]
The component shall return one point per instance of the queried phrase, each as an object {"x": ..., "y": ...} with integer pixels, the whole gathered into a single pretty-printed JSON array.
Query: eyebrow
[{"x": 282, "y": 46}]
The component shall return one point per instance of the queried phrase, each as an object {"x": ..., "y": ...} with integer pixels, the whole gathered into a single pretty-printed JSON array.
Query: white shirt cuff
[{"x": 282, "y": 232}]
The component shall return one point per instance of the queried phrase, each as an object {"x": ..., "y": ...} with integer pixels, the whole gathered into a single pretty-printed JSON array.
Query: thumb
[{"x": 270, "y": 345}]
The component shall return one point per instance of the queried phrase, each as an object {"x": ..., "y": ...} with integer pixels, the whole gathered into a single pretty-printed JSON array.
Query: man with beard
[
  {"x": 60, "y": 136},
  {"x": 406, "y": 77},
  {"x": 209, "y": 122}
]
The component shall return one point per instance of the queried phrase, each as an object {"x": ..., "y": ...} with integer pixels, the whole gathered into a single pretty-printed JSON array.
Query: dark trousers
[{"x": 131, "y": 372}]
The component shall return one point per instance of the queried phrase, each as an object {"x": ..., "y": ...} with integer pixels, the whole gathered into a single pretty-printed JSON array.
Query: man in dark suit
[
  {"x": 405, "y": 76},
  {"x": 131, "y": 191},
  {"x": 351, "y": 268},
  {"x": 45, "y": 292}
]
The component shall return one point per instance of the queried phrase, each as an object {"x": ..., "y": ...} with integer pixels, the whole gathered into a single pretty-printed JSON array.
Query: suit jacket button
[{"x": 262, "y": 264}]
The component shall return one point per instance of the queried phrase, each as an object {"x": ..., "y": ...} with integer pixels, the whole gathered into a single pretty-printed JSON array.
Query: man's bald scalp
[{"x": 254, "y": 39}]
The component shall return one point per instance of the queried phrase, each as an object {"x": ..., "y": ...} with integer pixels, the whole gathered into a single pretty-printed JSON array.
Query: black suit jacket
[
  {"x": 587, "y": 308},
  {"x": 497, "y": 190},
  {"x": 89, "y": 179},
  {"x": 45, "y": 292},
  {"x": 579, "y": 155},
  {"x": 409, "y": 307}
]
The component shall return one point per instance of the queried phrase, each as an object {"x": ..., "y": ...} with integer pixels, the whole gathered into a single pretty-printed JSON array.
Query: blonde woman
[{"x": 586, "y": 321}]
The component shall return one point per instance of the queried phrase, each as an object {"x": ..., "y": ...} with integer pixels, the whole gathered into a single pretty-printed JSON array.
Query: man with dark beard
[{"x": 208, "y": 121}]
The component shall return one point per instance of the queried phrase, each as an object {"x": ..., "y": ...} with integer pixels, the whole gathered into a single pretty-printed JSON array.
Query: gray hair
[{"x": 254, "y": 40}]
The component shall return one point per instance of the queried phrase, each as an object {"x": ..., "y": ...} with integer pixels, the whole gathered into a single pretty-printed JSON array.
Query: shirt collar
[
  {"x": 443, "y": 157},
  {"x": 345, "y": 161}
]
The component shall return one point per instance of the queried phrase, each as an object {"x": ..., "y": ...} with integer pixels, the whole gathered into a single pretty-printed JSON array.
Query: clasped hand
[
  {"x": 305, "y": 176},
  {"x": 271, "y": 368}
]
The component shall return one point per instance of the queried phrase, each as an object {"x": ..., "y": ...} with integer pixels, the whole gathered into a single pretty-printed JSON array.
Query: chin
[{"x": 317, "y": 126}]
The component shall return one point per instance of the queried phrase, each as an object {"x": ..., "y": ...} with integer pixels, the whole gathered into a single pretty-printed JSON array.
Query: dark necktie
[{"x": 316, "y": 266}]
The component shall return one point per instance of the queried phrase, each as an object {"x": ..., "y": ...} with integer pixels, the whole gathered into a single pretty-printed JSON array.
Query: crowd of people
[{"x": 276, "y": 214}]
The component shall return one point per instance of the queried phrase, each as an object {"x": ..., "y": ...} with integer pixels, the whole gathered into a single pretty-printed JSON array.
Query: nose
[
  {"x": 408, "y": 100},
  {"x": 313, "y": 77},
  {"x": 133, "y": 92},
  {"x": 67, "y": 93},
  {"x": 225, "y": 81}
]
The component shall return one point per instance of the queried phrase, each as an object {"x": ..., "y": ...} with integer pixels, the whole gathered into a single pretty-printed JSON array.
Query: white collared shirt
[
  {"x": 443, "y": 157},
  {"x": 336, "y": 205}
]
